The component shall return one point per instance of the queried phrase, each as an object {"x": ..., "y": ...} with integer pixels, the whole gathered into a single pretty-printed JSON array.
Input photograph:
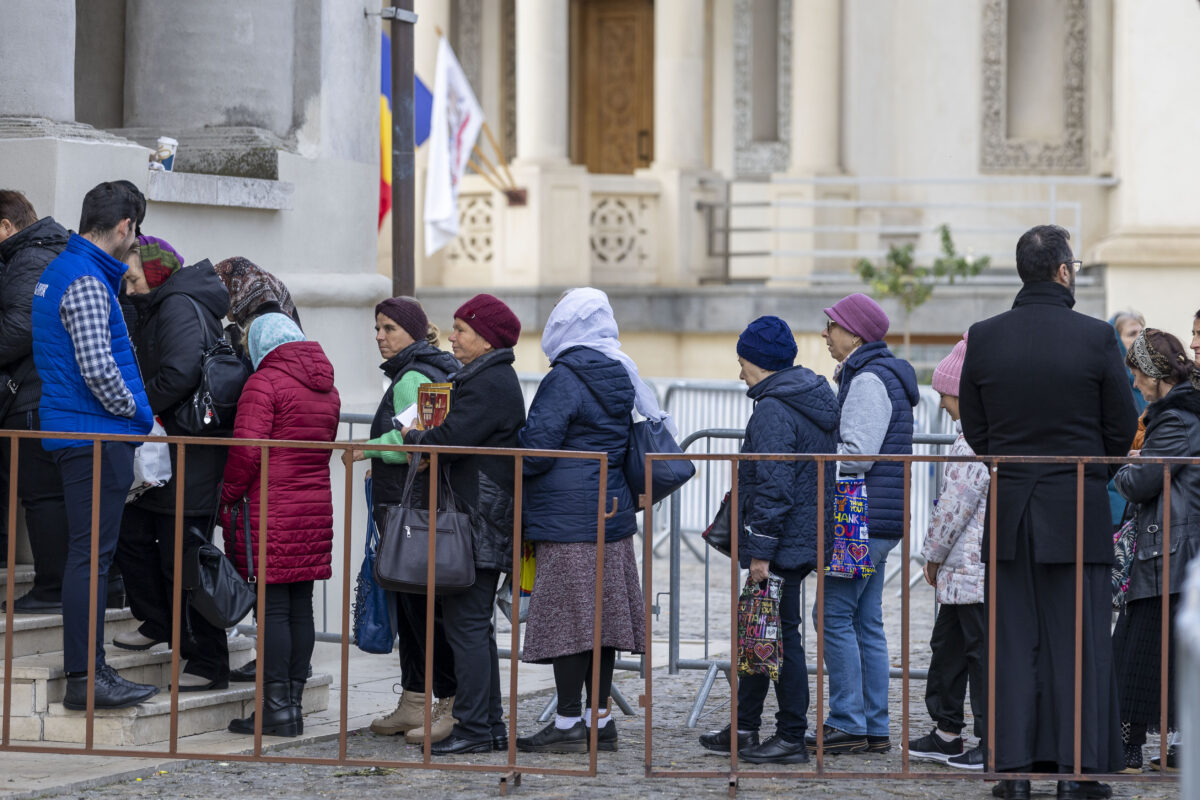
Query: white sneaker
[{"x": 134, "y": 640}]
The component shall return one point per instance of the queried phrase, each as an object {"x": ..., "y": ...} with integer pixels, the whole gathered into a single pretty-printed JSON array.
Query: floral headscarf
[{"x": 251, "y": 287}]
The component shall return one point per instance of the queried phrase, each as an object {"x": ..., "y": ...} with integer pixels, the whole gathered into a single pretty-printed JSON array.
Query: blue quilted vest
[
  {"x": 885, "y": 480},
  {"x": 67, "y": 404}
]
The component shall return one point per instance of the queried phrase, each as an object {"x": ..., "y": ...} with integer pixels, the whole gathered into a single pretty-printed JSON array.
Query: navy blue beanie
[{"x": 768, "y": 343}]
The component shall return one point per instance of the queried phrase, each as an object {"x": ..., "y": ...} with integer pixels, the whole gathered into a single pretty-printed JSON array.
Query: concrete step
[
  {"x": 22, "y": 580},
  {"x": 39, "y": 679},
  {"x": 199, "y": 712},
  {"x": 42, "y": 633}
]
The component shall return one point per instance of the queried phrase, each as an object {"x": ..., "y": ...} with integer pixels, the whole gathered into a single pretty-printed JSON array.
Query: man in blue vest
[{"x": 91, "y": 385}]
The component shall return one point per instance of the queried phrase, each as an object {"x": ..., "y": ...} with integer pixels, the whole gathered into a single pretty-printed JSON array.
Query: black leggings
[
  {"x": 289, "y": 631},
  {"x": 574, "y": 672}
]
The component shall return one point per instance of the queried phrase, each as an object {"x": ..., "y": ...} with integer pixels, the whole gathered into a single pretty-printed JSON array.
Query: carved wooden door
[{"x": 614, "y": 103}]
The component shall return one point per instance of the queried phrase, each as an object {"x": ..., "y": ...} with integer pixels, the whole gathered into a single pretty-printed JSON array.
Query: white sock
[
  {"x": 564, "y": 723},
  {"x": 946, "y": 737},
  {"x": 604, "y": 717}
]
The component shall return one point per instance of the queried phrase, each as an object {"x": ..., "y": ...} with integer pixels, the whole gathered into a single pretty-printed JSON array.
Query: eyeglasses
[
  {"x": 1076, "y": 265},
  {"x": 829, "y": 325}
]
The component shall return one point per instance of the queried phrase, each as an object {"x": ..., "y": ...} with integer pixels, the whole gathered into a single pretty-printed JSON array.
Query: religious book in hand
[{"x": 433, "y": 403}]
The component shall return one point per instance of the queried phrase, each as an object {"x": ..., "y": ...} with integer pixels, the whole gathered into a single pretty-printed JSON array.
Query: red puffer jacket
[{"x": 290, "y": 396}]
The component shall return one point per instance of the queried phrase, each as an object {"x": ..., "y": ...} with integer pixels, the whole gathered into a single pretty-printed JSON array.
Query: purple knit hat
[
  {"x": 492, "y": 319},
  {"x": 860, "y": 315},
  {"x": 949, "y": 369},
  {"x": 407, "y": 313}
]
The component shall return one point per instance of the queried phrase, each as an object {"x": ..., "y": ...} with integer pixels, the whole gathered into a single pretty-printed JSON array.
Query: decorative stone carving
[
  {"x": 474, "y": 243},
  {"x": 618, "y": 232},
  {"x": 508, "y": 18},
  {"x": 999, "y": 153},
  {"x": 760, "y": 157}
]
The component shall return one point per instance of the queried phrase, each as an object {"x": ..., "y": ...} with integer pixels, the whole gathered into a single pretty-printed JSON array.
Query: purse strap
[
  {"x": 250, "y": 576},
  {"x": 414, "y": 462}
]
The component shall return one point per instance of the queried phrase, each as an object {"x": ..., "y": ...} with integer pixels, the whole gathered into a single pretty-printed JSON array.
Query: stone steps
[
  {"x": 22, "y": 580},
  {"x": 42, "y": 633}
]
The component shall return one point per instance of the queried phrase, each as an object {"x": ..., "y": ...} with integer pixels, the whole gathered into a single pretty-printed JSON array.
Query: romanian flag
[{"x": 422, "y": 110}]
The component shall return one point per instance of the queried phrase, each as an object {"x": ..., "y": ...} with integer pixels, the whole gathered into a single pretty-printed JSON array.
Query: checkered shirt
[{"x": 84, "y": 313}]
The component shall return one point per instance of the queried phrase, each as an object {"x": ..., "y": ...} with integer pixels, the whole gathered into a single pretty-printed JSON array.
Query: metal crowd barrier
[
  {"x": 1187, "y": 634},
  {"x": 824, "y": 462}
]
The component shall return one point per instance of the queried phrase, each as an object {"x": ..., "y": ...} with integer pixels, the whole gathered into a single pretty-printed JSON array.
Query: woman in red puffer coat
[{"x": 289, "y": 396}]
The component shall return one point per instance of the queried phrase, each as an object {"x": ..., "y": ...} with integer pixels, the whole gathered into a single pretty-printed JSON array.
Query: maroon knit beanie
[
  {"x": 492, "y": 319},
  {"x": 407, "y": 313}
]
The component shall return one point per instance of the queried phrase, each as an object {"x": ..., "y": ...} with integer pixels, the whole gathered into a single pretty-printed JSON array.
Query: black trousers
[
  {"x": 1035, "y": 665},
  {"x": 146, "y": 554},
  {"x": 410, "y": 642},
  {"x": 116, "y": 475},
  {"x": 573, "y": 673},
  {"x": 289, "y": 631},
  {"x": 791, "y": 690},
  {"x": 472, "y": 637},
  {"x": 39, "y": 485},
  {"x": 959, "y": 644}
]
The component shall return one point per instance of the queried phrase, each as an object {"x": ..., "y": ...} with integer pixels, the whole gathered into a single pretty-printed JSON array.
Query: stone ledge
[{"x": 219, "y": 190}]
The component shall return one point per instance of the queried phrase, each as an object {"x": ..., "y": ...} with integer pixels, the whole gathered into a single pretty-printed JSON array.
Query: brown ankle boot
[
  {"x": 409, "y": 714},
  {"x": 442, "y": 719}
]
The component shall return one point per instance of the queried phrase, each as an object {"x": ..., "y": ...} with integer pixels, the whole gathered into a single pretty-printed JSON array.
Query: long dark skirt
[
  {"x": 1137, "y": 651},
  {"x": 562, "y": 605}
]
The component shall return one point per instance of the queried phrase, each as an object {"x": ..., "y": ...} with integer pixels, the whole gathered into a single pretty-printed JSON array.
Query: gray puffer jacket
[{"x": 1172, "y": 429}]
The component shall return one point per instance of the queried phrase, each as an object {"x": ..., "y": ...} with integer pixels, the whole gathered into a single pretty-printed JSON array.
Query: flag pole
[
  {"x": 487, "y": 131},
  {"x": 404, "y": 210},
  {"x": 475, "y": 165},
  {"x": 495, "y": 173}
]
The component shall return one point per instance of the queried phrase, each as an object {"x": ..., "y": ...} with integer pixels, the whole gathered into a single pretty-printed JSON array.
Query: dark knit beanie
[
  {"x": 768, "y": 342},
  {"x": 492, "y": 319},
  {"x": 407, "y": 313}
]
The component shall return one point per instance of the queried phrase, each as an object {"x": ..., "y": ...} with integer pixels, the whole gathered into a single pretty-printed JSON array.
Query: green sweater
[{"x": 404, "y": 394}]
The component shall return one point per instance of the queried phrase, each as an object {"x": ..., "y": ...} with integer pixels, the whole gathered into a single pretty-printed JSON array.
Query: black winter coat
[
  {"x": 170, "y": 339},
  {"x": 486, "y": 410},
  {"x": 1042, "y": 379},
  {"x": 795, "y": 411},
  {"x": 585, "y": 403},
  {"x": 1172, "y": 429},
  {"x": 24, "y": 256}
]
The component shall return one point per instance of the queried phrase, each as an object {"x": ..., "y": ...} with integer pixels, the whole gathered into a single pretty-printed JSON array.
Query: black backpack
[{"x": 213, "y": 406}]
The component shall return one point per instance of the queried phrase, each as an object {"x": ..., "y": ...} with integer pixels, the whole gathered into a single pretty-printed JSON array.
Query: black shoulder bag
[
  {"x": 10, "y": 384},
  {"x": 215, "y": 589},
  {"x": 213, "y": 406}
]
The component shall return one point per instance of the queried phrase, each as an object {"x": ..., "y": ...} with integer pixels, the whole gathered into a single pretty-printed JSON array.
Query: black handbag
[
  {"x": 215, "y": 589},
  {"x": 652, "y": 436},
  {"x": 401, "y": 564},
  {"x": 717, "y": 534},
  {"x": 10, "y": 384},
  {"x": 213, "y": 406}
]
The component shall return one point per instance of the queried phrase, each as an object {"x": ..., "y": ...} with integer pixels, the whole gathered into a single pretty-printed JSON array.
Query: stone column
[
  {"x": 37, "y": 49},
  {"x": 542, "y": 70},
  {"x": 816, "y": 86},
  {"x": 217, "y": 63},
  {"x": 678, "y": 85}
]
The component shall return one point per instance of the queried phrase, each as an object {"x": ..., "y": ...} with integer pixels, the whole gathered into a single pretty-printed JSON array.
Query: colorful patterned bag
[
  {"x": 1124, "y": 547},
  {"x": 760, "y": 644},
  {"x": 851, "y": 558}
]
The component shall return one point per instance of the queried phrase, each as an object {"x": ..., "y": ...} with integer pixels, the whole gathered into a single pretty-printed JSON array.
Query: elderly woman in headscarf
[
  {"x": 252, "y": 292},
  {"x": 585, "y": 404},
  {"x": 179, "y": 311},
  {"x": 289, "y": 396},
  {"x": 1127, "y": 325}
]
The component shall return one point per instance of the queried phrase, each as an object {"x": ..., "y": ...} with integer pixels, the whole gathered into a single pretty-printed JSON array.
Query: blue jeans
[
  {"x": 856, "y": 655},
  {"x": 791, "y": 690}
]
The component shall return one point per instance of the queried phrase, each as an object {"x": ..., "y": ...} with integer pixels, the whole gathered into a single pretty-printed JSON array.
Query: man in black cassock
[{"x": 1042, "y": 379}]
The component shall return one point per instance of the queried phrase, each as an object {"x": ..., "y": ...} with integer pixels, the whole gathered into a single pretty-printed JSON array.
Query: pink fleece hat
[
  {"x": 860, "y": 315},
  {"x": 948, "y": 370}
]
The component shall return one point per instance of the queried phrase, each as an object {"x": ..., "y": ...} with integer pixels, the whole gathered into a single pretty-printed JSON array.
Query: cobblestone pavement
[{"x": 621, "y": 773}]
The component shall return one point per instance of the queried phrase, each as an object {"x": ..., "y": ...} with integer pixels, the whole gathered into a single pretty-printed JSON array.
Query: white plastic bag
[{"x": 151, "y": 464}]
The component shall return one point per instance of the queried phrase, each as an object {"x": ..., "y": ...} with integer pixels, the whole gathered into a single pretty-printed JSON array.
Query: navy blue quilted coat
[
  {"x": 585, "y": 403},
  {"x": 795, "y": 411}
]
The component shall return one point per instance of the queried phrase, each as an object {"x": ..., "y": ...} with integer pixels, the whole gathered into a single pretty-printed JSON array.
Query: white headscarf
[{"x": 583, "y": 317}]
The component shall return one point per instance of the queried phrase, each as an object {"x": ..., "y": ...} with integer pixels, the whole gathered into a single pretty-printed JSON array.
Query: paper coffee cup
[{"x": 165, "y": 154}]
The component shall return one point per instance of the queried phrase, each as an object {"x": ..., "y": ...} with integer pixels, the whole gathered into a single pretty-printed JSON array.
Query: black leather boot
[
  {"x": 280, "y": 717},
  {"x": 296, "y": 696}
]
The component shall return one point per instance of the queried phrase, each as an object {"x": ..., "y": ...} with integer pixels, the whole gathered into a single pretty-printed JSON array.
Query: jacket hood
[
  {"x": 605, "y": 378},
  {"x": 199, "y": 282},
  {"x": 421, "y": 352},
  {"x": 46, "y": 232},
  {"x": 804, "y": 391},
  {"x": 304, "y": 361}
]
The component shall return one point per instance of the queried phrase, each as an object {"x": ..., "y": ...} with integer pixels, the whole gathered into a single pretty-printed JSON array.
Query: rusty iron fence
[
  {"x": 994, "y": 463},
  {"x": 510, "y": 770}
]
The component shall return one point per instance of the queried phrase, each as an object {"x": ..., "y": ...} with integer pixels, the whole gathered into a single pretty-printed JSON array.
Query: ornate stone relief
[
  {"x": 1000, "y": 153},
  {"x": 758, "y": 157},
  {"x": 508, "y": 19},
  {"x": 618, "y": 231},
  {"x": 474, "y": 243}
]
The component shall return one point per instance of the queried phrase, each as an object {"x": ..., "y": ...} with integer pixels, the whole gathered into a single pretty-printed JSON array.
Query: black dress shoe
[
  {"x": 112, "y": 691},
  {"x": 244, "y": 673},
  {"x": 718, "y": 741},
  {"x": 1011, "y": 790},
  {"x": 553, "y": 739},
  {"x": 28, "y": 604},
  {"x": 198, "y": 683},
  {"x": 454, "y": 745},
  {"x": 777, "y": 750},
  {"x": 606, "y": 737},
  {"x": 837, "y": 742},
  {"x": 1083, "y": 790}
]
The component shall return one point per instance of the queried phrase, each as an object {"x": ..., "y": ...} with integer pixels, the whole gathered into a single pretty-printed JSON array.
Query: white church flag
[{"x": 456, "y": 121}]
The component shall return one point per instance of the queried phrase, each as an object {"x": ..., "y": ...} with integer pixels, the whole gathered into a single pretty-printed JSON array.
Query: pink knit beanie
[{"x": 947, "y": 372}]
